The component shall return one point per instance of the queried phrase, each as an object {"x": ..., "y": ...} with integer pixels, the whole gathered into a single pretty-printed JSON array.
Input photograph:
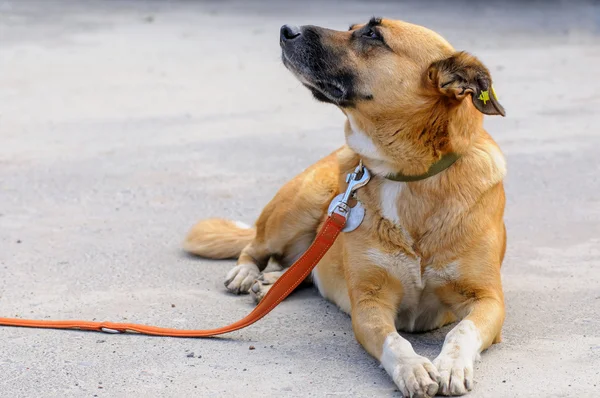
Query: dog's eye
[{"x": 372, "y": 34}]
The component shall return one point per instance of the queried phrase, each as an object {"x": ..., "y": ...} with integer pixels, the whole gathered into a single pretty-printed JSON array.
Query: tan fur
[
  {"x": 217, "y": 238},
  {"x": 428, "y": 252}
]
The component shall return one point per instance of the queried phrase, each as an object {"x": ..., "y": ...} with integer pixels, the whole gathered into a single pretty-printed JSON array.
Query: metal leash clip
[{"x": 353, "y": 215}]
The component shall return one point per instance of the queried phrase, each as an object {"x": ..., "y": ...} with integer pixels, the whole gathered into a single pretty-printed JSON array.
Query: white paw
[
  {"x": 456, "y": 374},
  {"x": 416, "y": 377},
  {"x": 259, "y": 290},
  {"x": 241, "y": 277},
  {"x": 263, "y": 283}
]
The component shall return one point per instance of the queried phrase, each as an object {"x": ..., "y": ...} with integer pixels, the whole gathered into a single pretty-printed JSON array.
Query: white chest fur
[
  {"x": 420, "y": 308},
  {"x": 361, "y": 143},
  {"x": 389, "y": 196}
]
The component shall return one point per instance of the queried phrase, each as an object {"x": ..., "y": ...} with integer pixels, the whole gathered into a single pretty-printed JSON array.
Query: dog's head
[{"x": 384, "y": 65}]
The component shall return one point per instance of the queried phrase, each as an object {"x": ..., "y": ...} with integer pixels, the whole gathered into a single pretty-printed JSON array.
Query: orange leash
[
  {"x": 339, "y": 213},
  {"x": 280, "y": 290}
]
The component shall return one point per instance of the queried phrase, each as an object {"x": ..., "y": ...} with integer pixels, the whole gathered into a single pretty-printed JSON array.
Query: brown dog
[{"x": 430, "y": 247}]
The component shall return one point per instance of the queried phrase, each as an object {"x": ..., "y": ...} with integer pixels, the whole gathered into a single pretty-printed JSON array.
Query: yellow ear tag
[
  {"x": 494, "y": 93},
  {"x": 485, "y": 96}
]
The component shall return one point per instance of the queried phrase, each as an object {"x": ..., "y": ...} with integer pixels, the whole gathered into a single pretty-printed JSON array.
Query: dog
[{"x": 429, "y": 249}]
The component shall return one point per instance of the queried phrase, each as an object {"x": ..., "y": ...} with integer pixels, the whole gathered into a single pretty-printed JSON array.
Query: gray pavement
[{"x": 124, "y": 122}]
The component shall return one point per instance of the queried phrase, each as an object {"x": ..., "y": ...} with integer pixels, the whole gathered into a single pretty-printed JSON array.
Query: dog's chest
[{"x": 420, "y": 307}]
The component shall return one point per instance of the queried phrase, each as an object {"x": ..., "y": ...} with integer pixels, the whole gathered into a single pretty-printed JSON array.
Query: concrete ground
[{"x": 124, "y": 122}]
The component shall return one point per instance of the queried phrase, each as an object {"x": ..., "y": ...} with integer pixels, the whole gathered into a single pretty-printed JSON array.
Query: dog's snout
[{"x": 287, "y": 33}]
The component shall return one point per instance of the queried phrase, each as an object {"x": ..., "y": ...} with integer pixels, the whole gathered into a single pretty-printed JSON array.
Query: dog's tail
[{"x": 218, "y": 239}]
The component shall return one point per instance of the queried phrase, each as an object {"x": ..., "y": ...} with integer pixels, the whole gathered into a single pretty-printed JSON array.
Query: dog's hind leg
[
  {"x": 284, "y": 232},
  {"x": 285, "y": 228},
  {"x": 288, "y": 224},
  {"x": 263, "y": 284},
  {"x": 251, "y": 262}
]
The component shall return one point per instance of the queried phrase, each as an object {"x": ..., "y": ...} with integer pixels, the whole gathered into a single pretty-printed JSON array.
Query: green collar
[{"x": 446, "y": 161}]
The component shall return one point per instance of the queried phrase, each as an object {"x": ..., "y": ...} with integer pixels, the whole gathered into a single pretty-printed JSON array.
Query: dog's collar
[{"x": 446, "y": 161}]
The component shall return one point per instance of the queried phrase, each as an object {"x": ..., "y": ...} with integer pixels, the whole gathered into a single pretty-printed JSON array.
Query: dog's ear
[{"x": 461, "y": 75}]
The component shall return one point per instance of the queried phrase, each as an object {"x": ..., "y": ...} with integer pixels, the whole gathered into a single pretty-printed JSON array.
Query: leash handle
[{"x": 279, "y": 291}]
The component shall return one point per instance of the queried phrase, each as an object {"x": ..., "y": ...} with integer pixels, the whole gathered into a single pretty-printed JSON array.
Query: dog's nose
[{"x": 287, "y": 33}]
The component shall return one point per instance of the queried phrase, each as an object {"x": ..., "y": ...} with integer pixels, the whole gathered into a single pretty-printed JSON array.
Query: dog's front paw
[
  {"x": 456, "y": 374},
  {"x": 241, "y": 277},
  {"x": 416, "y": 377}
]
